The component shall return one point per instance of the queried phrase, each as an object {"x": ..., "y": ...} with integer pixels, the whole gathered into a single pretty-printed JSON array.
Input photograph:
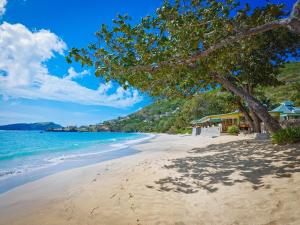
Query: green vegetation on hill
[
  {"x": 290, "y": 90},
  {"x": 157, "y": 117},
  {"x": 174, "y": 116}
]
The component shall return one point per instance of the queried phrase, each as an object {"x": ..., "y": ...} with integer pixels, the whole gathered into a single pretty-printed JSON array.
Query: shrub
[
  {"x": 233, "y": 130},
  {"x": 286, "y": 136}
]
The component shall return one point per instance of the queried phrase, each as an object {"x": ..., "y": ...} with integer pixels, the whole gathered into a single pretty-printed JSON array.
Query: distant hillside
[
  {"x": 30, "y": 126},
  {"x": 157, "y": 117},
  {"x": 171, "y": 116},
  {"x": 290, "y": 90}
]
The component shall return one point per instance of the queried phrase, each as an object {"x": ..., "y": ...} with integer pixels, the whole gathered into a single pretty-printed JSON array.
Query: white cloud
[
  {"x": 2, "y": 7},
  {"x": 23, "y": 73},
  {"x": 72, "y": 74},
  {"x": 103, "y": 88}
]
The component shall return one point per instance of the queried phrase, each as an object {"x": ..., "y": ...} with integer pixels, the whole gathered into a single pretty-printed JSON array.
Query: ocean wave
[
  {"x": 113, "y": 147},
  {"x": 5, "y": 173},
  {"x": 63, "y": 158},
  {"x": 129, "y": 143},
  {"x": 46, "y": 161}
]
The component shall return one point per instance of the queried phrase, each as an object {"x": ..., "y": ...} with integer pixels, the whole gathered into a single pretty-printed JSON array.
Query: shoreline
[
  {"x": 140, "y": 189},
  {"x": 60, "y": 164}
]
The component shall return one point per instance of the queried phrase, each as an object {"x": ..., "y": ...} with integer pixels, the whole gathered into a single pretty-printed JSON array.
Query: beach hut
[
  {"x": 287, "y": 111},
  {"x": 223, "y": 121}
]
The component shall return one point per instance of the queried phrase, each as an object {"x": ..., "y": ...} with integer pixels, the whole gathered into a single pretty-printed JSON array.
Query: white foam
[
  {"x": 114, "y": 147},
  {"x": 52, "y": 161},
  {"x": 20, "y": 170},
  {"x": 128, "y": 143}
]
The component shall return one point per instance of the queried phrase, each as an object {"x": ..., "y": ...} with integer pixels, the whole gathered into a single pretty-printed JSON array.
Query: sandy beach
[{"x": 173, "y": 180}]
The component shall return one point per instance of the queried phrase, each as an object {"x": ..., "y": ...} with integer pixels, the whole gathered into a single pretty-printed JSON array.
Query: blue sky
[{"x": 36, "y": 84}]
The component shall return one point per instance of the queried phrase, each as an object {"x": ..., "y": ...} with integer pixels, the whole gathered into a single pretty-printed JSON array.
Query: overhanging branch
[
  {"x": 230, "y": 40},
  {"x": 292, "y": 23}
]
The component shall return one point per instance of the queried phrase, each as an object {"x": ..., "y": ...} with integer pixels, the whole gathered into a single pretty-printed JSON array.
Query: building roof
[
  {"x": 287, "y": 107},
  {"x": 219, "y": 117},
  {"x": 207, "y": 119}
]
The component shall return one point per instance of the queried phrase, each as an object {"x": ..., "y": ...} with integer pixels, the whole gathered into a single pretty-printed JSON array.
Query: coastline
[
  {"x": 130, "y": 190},
  {"x": 89, "y": 155}
]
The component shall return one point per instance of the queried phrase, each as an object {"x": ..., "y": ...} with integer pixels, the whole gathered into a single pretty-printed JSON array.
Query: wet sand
[{"x": 174, "y": 180}]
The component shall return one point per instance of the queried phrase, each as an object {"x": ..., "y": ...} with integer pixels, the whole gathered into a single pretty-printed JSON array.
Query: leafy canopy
[{"x": 155, "y": 54}]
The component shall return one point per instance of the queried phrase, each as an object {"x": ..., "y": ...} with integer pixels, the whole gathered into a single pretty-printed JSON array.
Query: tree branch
[
  {"x": 230, "y": 40},
  {"x": 294, "y": 19},
  {"x": 292, "y": 23}
]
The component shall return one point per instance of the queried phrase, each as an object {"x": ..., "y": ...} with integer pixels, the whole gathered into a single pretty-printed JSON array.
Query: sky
[{"x": 37, "y": 84}]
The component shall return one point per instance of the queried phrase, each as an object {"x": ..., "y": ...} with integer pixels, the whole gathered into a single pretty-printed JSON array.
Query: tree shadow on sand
[{"x": 230, "y": 163}]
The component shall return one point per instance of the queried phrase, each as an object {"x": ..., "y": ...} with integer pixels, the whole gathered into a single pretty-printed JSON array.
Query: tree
[
  {"x": 260, "y": 66},
  {"x": 164, "y": 54}
]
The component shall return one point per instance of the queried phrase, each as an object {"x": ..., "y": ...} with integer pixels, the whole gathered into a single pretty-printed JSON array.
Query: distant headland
[{"x": 31, "y": 126}]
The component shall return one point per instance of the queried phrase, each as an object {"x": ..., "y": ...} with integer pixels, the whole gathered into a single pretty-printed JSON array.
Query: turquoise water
[{"x": 29, "y": 155}]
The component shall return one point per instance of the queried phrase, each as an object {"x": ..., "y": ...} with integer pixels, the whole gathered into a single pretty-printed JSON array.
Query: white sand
[{"x": 124, "y": 191}]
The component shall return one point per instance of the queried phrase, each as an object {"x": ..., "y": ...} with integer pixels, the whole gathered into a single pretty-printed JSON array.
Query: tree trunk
[
  {"x": 257, "y": 127},
  {"x": 256, "y": 121},
  {"x": 246, "y": 115},
  {"x": 271, "y": 123}
]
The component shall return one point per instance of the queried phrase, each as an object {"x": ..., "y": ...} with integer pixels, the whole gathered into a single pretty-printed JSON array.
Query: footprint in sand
[
  {"x": 179, "y": 223},
  {"x": 131, "y": 195},
  {"x": 278, "y": 207},
  {"x": 271, "y": 223},
  {"x": 92, "y": 212},
  {"x": 132, "y": 207},
  {"x": 69, "y": 209},
  {"x": 113, "y": 195}
]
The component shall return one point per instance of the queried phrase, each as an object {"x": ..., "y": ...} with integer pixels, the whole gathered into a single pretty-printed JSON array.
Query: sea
[{"x": 26, "y": 156}]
